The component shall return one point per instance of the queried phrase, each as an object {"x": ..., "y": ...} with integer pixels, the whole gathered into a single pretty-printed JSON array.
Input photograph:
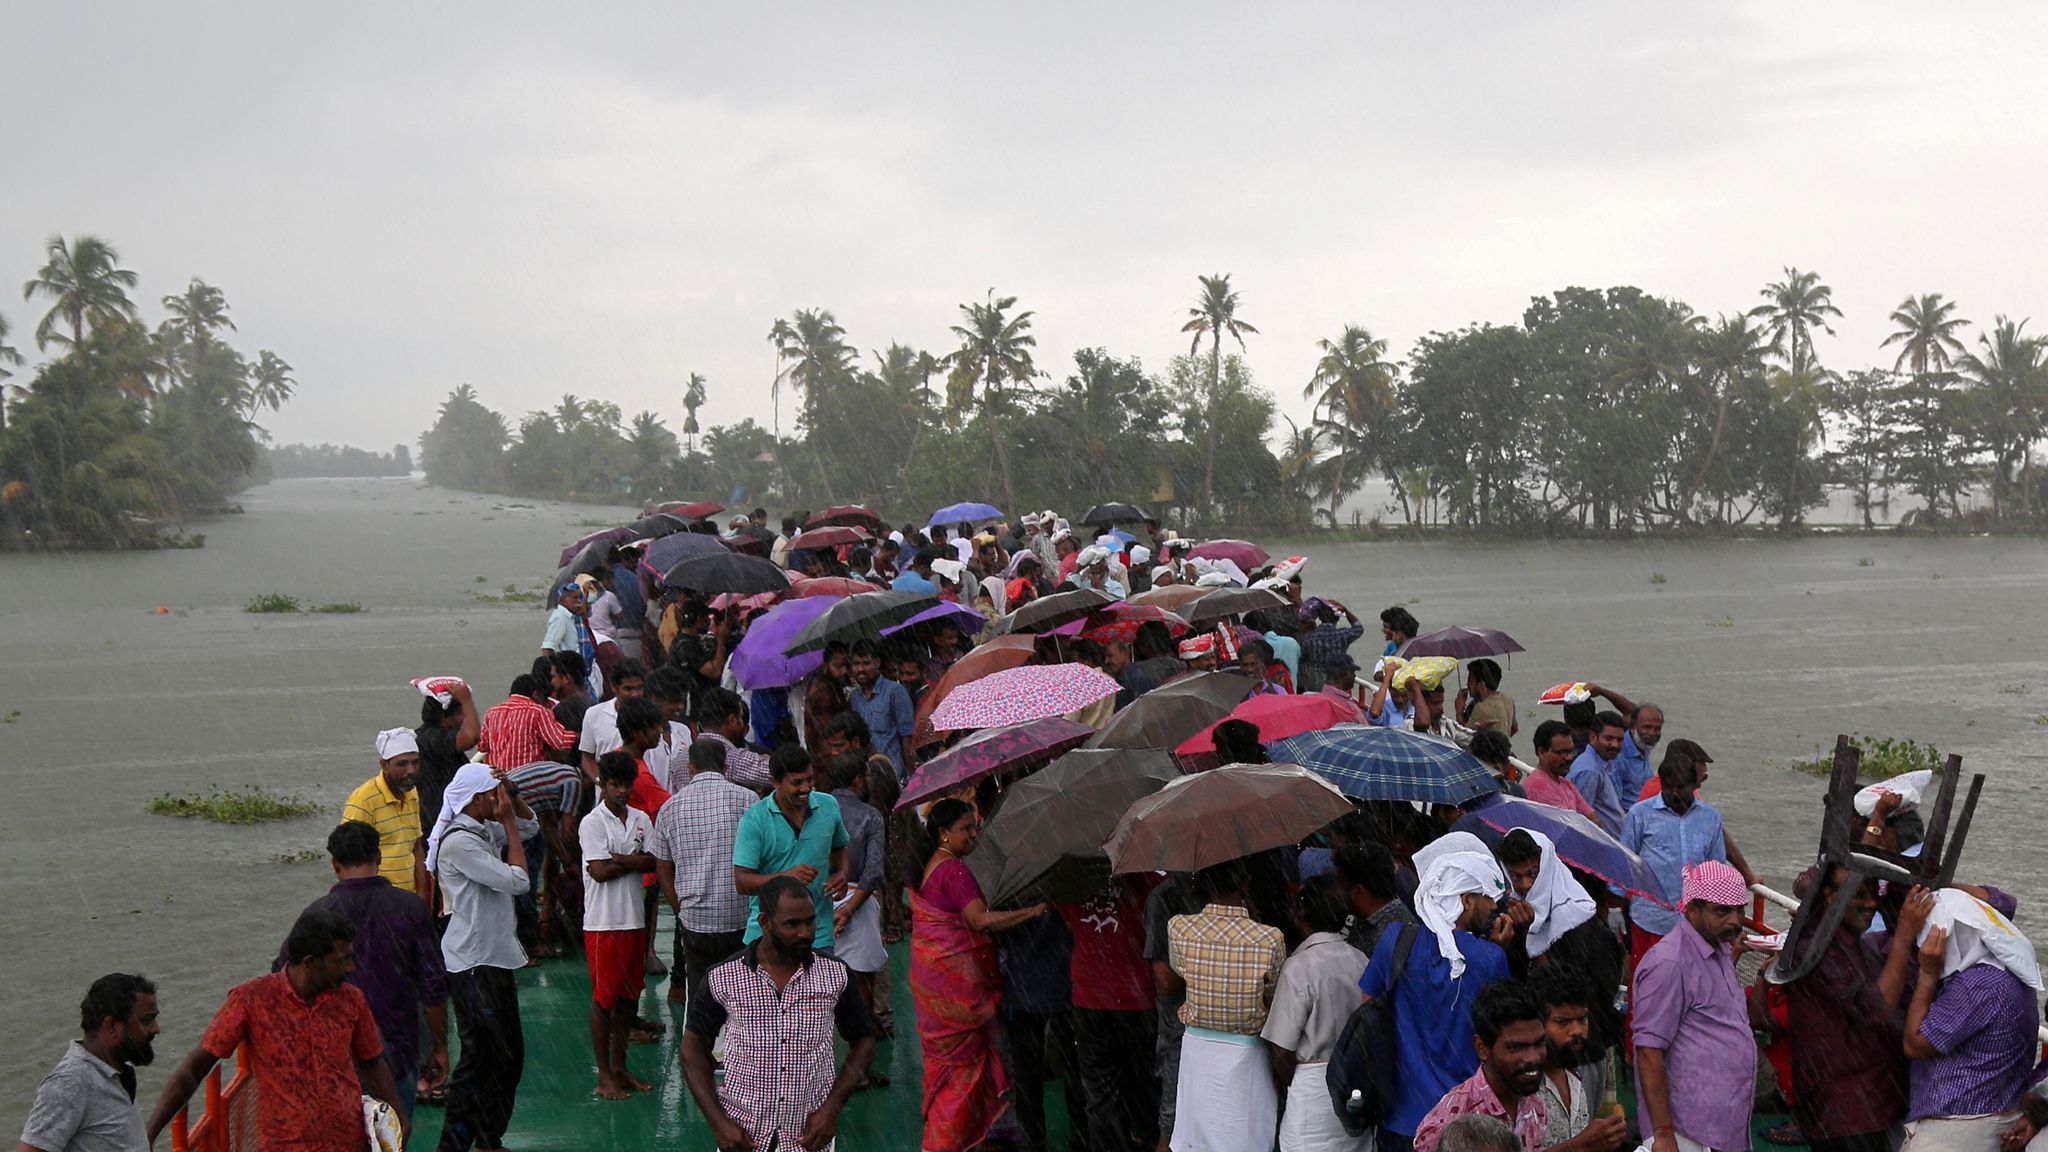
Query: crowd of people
[{"x": 1409, "y": 977}]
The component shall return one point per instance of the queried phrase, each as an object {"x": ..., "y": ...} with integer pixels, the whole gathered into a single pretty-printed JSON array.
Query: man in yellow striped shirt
[{"x": 388, "y": 803}]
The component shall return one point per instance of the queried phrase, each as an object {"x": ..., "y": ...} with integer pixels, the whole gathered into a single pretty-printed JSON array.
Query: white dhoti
[
  {"x": 1310, "y": 1123},
  {"x": 1958, "y": 1133},
  {"x": 860, "y": 946},
  {"x": 1225, "y": 1100}
]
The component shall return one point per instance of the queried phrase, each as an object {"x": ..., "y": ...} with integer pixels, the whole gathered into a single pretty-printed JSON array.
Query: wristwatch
[{"x": 1873, "y": 829}]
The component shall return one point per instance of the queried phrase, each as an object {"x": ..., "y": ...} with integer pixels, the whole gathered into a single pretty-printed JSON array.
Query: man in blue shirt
[
  {"x": 1671, "y": 831},
  {"x": 917, "y": 577},
  {"x": 794, "y": 832},
  {"x": 1593, "y": 773},
  {"x": 1630, "y": 768},
  {"x": 882, "y": 702}
]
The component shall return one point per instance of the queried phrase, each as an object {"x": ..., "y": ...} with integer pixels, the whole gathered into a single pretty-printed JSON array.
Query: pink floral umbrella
[{"x": 1031, "y": 692}]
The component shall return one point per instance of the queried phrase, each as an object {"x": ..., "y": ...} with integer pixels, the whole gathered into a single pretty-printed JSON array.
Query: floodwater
[{"x": 1760, "y": 650}]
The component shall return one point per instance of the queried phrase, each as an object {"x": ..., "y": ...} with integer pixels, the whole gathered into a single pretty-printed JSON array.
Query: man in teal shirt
[{"x": 794, "y": 832}]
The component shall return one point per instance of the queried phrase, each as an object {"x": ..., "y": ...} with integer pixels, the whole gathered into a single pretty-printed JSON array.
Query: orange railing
[{"x": 229, "y": 1122}]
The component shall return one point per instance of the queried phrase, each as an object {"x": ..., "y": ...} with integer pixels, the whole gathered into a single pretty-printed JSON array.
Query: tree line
[
  {"x": 123, "y": 429},
  {"x": 1603, "y": 409},
  {"x": 291, "y": 461}
]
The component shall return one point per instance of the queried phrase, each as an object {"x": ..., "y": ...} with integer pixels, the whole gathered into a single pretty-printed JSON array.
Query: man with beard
[
  {"x": 87, "y": 1102},
  {"x": 1565, "y": 928},
  {"x": 1574, "y": 1071},
  {"x": 1507, "y": 1032},
  {"x": 315, "y": 1046},
  {"x": 882, "y": 703},
  {"x": 780, "y": 988},
  {"x": 1593, "y": 773},
  {"x": 1695, "y": 1053},
  {"x": 1631, "y": 767},
  {"x": 388, "y": 803},
  {"x": 1671, "y": 831}
]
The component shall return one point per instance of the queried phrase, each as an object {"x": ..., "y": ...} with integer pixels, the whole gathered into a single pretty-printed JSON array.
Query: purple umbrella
[
  {"x": 968, "y": 513},
  {"x": 1580, "y": 843},
  {"x": 614, "y": 535},
  {"x": 667, "y": 551},
  {"x": 758, "y": 661},
  {"x": 1461, "y": 643},
  {"x": 993, "y": 750},
  {"x": 968, "y": 620},
  {"x": 1243, "y": 553}
]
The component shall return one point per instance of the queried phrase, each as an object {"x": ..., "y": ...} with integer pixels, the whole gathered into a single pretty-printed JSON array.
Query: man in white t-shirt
[
  {"x": 601, "y": 723},
  {"x": 616, "y": 860}
]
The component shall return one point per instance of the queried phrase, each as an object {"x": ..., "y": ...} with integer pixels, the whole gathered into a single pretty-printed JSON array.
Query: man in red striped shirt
[{"x": 522, "y": 730}]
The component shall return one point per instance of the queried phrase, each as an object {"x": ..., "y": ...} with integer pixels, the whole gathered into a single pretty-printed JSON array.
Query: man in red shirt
[
  {"x": 1115, "y": 1014},
  {"x": 522, "y": 730},
  {"x": 313, "y": 1044}
]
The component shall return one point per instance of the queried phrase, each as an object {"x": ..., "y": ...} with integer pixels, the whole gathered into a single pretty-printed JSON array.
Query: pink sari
[{"x": 957, "y": 988}]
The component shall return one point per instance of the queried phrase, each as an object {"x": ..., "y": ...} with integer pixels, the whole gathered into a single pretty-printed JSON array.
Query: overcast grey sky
[{"x": 401, "y": 198}]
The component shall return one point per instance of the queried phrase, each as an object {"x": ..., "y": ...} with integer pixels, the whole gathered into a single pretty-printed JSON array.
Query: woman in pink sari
[{"x": 956, "y": 985}]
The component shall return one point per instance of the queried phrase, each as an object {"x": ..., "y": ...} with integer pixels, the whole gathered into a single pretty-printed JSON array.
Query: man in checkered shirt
[{"x": 778, "y": 1002}]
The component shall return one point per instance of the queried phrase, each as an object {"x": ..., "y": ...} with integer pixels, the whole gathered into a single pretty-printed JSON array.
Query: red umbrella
[
  {"x": 990, "y": 751},
  {"x": 801, "y": 586},
  {"x": 848, "y": 516},
  {"x": 1120, "y": 621},
  {"x": 1243, "y": 553},
  {"x": 831, "y": 536},
  {"x": 690, "y": 511},
  {"x": 995, "y": 656},
  {"x": 1277, "y": 718}
]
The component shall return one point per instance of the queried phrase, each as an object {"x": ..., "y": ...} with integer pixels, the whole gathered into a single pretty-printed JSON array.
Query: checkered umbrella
[{"x": 1368, "y": 763}]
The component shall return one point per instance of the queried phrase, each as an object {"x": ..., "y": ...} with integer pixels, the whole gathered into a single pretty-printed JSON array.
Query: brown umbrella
[
  {"x": 1215, "y": 817},
  {"x": 1173, "y": 597},
  {"x": 994, "y": 656},
  {"x": 1045, "y": 841}
]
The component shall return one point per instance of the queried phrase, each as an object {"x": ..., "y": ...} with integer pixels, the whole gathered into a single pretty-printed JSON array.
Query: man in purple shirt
[
  {"x": 1970, "y": 1034},
  {"x": 1695, "y": 1053}
]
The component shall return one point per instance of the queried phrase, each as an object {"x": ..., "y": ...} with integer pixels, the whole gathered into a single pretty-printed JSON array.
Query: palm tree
[
  {"x": 819, "y": 357},
  {"x": 1796, "y": 306},
  {"x": 9, "y": 357},
  {"x": 2011, "y": 375},
  {"x": 1926, "y": 334},
  {"x": 1353, "y": 388},
  {"x": 1730, "y": 353},
  {"x": 196, "y": 314},
  {"x": 995, "y": 349},
  {"x": 270, "y": 381},
  {"x": 1215, "y": 316},
  {"x": 85, "y": 284},
  {"x": 693, "y": 399}
]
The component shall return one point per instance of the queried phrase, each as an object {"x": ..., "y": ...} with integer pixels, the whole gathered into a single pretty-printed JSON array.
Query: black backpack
[{"x": 1363, "y": 1061}]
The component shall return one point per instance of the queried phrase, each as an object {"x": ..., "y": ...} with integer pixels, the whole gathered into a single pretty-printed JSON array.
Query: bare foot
[
  {"x": 608, "y": 1089},
  {"x": 641, "y": 1036},
  {"x": 636, "y": 1083}
]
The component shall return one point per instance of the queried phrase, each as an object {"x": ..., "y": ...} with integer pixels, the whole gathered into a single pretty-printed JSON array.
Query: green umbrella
[{"x": 1045, "y": 840}]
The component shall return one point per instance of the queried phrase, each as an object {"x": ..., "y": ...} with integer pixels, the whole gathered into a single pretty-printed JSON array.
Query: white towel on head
[
  {"x": 471, "y": 780},
  {"x": 1559, "y": 901},
  {"x": 396, "y": 742},
  {"x": 1448, "y": 873},
  {"x": 1977, "y": 934}
]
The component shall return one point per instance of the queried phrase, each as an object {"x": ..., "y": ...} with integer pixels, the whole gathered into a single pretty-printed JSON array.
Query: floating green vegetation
[
  {"x": 345, "y": 608},
  {"x": 1883, "y": 758},
  {"x": 272, "y": 602},
  {"x": 1723, "y": 622},
  {"x": 1659, "y": 578},
  {"x": 253, "y": 804},
  {"x": 1865, "y": 562},
  {"x": 513, "y": 594},
  {"x": 302, "y": 856}
]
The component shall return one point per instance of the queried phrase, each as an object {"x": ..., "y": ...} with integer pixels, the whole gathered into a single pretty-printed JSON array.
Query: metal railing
[{"x": 229, "y": 1122}]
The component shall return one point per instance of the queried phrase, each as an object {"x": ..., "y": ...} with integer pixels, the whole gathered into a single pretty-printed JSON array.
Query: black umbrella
[
  {"x": 1115, "y": 514},
  {"x": 1174, "y": 711},
  {"x": 658, "y": 525},
  {"x": 1225, "y": 603},
  {"x": 592, "y": 558},
  {"x": 1045, "y": 841},
  {"x": 1049, "y": 612},
  {"x": 1461, "y": 643},
  {"x": 741, "y": 575},
  {"x": 860, "y": 616}
]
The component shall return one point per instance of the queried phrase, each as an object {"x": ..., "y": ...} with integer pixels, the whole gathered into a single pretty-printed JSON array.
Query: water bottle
[{"x": 1354, "y": 1104}]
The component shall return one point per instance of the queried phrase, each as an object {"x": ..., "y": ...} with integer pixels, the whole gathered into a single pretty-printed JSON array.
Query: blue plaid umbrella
[{"x": 1367, "y": 763}]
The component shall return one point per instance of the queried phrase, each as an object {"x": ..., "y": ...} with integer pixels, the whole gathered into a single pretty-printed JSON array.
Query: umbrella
[
  {"x": 670, "y": 550},
  {"x": 991, "y": 751},
  {"x": 1276, "y": 718},
  {"x": 1212, "y": 818},
  {"x": 859, "y": 617},
  {"x": 748, "y": 544},
  {"x": 829, "y": 586},
  {"x": 960, "y": 615},
  {"x": 1115, "y": 514},
  {"x": 659, "y": 524},
  {"x": 831, "y": 536},
  {"x": 1176, "y": 709},
  {"x": 690, "y": 511},
  {"x": 998, "y": 654},
  {"x": 592, "y": 557},
  {"x": 1389, "y": 764},
  {"x": 1224, "y": 603},
  {"x": 1461, "y": 643},
  {"x": 964, "y": 514},
  {"x": 1173, "y": 597},
  {"x": 1045, "y": 842},
  {"x": 1580, "y": 843},
  {"x": 725, "y": 600},
  {"x": 1020, "y": 694},
  {"x": 1121, "y": 620},
  {"x": 758, "y": 660},
  {"x": 1049, "y": 612},
  {"x": 732, "y": 572},
  {"x": 848, "y": 516},
  {"x": 613, "y": 535},
  {"x": 1243, "y": 553}
]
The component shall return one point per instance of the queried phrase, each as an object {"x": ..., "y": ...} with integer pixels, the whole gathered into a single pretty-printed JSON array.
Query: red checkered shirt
[{"x": 520, "y": 732}]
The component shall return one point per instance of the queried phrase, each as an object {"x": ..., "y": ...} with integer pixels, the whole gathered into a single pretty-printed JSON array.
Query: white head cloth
[
  {"x": 950, "y": 569},
  {"x": 393, "y": 742},
  {"x": 1228, "y": 569},
  {"x": 1449, "y": 870},
  {"x": 1092, "y": 554},
  {"x": 1977, "y": 934},
  {"x": 1559, "y": 901},
  {"x": 471, "y": 780},
  {"x": 1140, "y": 555}
]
